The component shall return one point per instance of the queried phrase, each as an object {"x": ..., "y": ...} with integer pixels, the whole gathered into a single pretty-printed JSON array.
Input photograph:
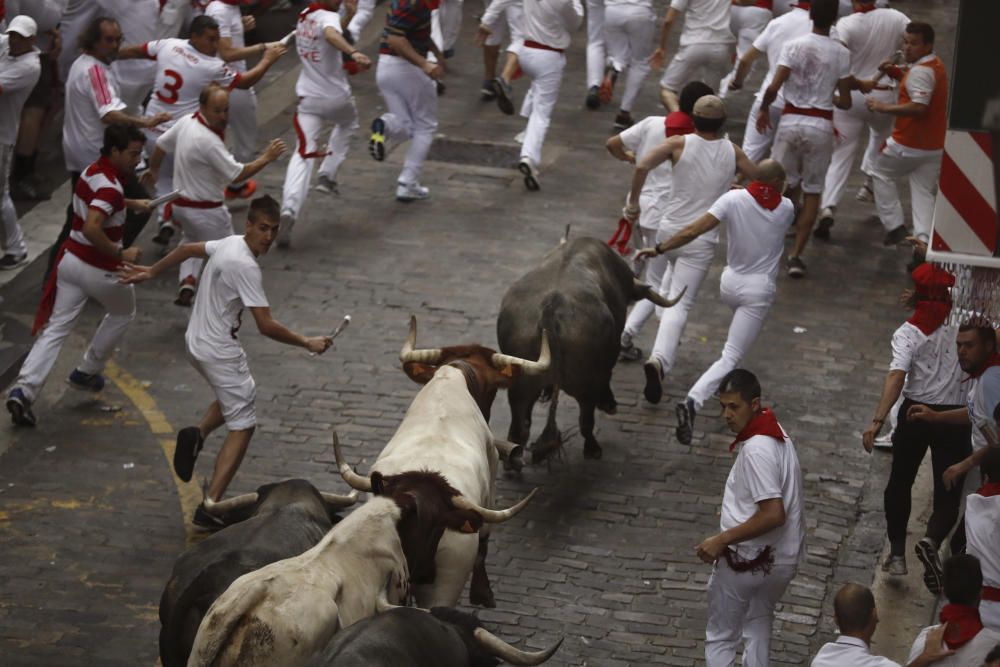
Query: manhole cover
[{"x": 478, "y": 153}]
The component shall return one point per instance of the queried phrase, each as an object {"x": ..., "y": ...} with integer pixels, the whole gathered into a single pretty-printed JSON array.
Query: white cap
[{"x": 22, "y": 25}]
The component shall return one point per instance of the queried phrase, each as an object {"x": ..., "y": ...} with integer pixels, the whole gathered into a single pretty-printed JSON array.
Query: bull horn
[
  {"x": 565, "y": 236},
  {"x": 527, "y": 367},
  {"x": 654, "y": 296},
  {"x": 338, "y": 500},
  {"x": 353, "y": 479},
  {"x": 493, "y": 516},
  {"x": 234, "y": 503},
  {"x": 408, "y": 354},
  {"x": 508, "y": 653}
]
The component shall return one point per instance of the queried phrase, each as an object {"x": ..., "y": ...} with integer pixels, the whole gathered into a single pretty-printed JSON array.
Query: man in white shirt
[
  {"x": 756, "y": 220},
  {"x": 232, "y": 282},
  {"x": 629, "y": 27},
  {"x": 596, "y": 53},
  {"x": 747, "y": 22},
  {"x": 814, "y": 67},
  {"x": 762, "y": 528},
  {"x": 502, "y": 21},
  {"x": 139, "y": 20},
  {"x": 982, "y": 516},
  {"x": 324, "y": 97},
  {"x": 202, "y": 167}
]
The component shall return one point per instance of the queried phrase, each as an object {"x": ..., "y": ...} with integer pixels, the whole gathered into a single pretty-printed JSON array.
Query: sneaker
[
  {"x": 593, "y": 100},
  {"x": 86, "y": 381},
  {"x": 244, "y": 191},
  {"x": 685, "y": 421},
  {"x": 185, "y": 293},
  {"x": 448, "y": 54},
  {"x": 327, "y": 186},
  {"x": 796, "y": 267},
  {"x": 653, "y": 391},
  {"x": 19, "y": 408},
  {"x": 441, "y": 88},
  {"x": 411, "y": 192},
  {"x": 285, "y": 225},
  {"x": 204, "y": 520},
  {"x": 164, "y": 233},
  {"x": 629, "y": 351},
  {"x": 865, "y": 193},
  {"x": 884, "y": 441},
  {"x": 12, "y": 261},
  {"x": 927, "y": 553},
  {"x": 895, "y": 236},
  {"x": 486, "y": 92},
  {"x": 607, "y": 89},
  {"x": 519, "y": 137},
  {"x": 189, "y": 443},
  {"x": 26, "y": 191},
  {"x": 824, "y": 224},
  {"x": 895, "y": 566},
  {"x": 530, "y": 174},
  {"x": 504, "y": 94},
  {"x": 623, "y": 121},
  {"x": 376, "y": 144}
]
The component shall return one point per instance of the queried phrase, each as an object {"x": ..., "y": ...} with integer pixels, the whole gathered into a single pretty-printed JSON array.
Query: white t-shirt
[
  {"x": 641, "y": 138},
  {"x": 982, "y": 516},
  {"x": 91, "y": 94},
  {"x": 970, "y": 654},
  {"x": 182, "y": 72},
  {"x": 776, "y": 34},
  {"x": 766, "y": 469},
  {"x": 138, "y": 21},
  {"x": 849, "y": 652},
  {"x": 983, "y": 396},
  {"x": 931, "y": 364},
  {"x": 755, "y": 236},
  {"x": 230, "y": 22},
  {"x": 871, "y": 37},
  {"x": 552, "y": 22},
  {"x": 705, "y": 21},
  {"x": 17, "y": 77},
  {"x": 230, "y": 282},
  {"x": 817, "y": 63},
  {"x": 322, "y": 73},
  {"x": 203, "y": 166}
]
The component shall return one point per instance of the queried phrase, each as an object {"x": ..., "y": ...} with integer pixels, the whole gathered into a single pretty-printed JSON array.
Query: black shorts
[{"x": 41, "y": 95}]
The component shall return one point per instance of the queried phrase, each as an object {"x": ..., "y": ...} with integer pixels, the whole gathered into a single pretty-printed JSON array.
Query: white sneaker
[
  {"x": 866, "y": 192},
  {"x": 286, "y": 223},
  {"x": 411, "y": 192},
  {"x": 519, "y": 137},
  {"x": 327, "y": 186}
]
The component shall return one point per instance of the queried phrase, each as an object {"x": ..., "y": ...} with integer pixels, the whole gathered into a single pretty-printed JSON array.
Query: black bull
[{"x": 579, "y": 294}]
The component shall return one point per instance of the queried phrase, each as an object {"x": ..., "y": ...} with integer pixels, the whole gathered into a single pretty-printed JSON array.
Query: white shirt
[
  {"x": 765, "y": 469},
  {"x": 91, "y": 94},
  {"x": 230, "y": 22},
  {"x": 138, "y": 21},
  {"x": 641, "y": 138},
  {"x": 704, "y": 172},
  {"x": 982, "y": 399},
  {"x": 230, "y": 282},
  {"x": 849, "y": 652},
  {"x": 322, "y": 73},
  {"x": 982, "y": 516},
  {"x": 933, "y": 375},
  {"x": 971, "y": 654},
  {"x": 817, "y": 63},
  {"x": 182, "y": 72},
  {"x": 203, "y": 166},
  {"x": 361, "y": 17},
  {"x": 705, "y": 21},
  {"x": 776, "y": 34},
  {"x": 550, "y": 22},
  {"x": 17, "y": 77},
  {"x": 871, "y": 37},
  {"x": 755, "y": 236}
]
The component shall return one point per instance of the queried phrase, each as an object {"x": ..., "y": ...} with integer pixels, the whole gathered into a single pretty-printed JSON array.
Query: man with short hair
[
  {"x": 629, "y": 27},
  {"x": 85, "y": 269},
  {"x": 982, "y": 516},
  {"x": 762, "y": 529},
  {"x": 232, "y": 282}
]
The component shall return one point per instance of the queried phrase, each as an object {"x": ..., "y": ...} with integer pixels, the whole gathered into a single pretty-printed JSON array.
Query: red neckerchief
[
  {"x": 962, "y": 624},
  {"x": 803, "y": 4},
  {"x": 763, "y": 423},
  {"x": 865, "y": 8},
  {"x": 677, "y": 123},
  {"x": 104, "y": 166},
  {"x": 989, "y": 489},
  {"x": 764, "y": 194},
  {"x": 313, "y": 7},
  {"x": 994, "y": 360},
  {"x": 201, "y": 119}
]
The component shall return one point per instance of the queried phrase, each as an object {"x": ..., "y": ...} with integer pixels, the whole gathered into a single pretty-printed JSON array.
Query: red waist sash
[
  {"x": 808, "y": 111},
  {"x": 535, "y": 45},
  {"x": 88, "y": 254}
]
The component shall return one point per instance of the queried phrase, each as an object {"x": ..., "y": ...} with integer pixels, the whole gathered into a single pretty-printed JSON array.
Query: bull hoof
[
  {"x": 482, "y": 598},
  {"x": 514, "y": 462},
  {"x": 592, "y": 450}
]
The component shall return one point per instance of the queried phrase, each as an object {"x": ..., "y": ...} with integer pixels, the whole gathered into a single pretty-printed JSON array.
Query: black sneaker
[
  {"x": 896, "y": 236},
  {"x": 504, "y": 93},
  {"x": 530, "y": 174},
  {"x": 593, "y": 101},
  {"x": 19, "y": 408},
  {"x": 164, "y": 234},
  {"x": 203, "y": 520},
  {"x": 927, "y": 553},
  {"x": 685, "y": 422},
  {"x": 824, "y": 224},
  {"x": 12, "y": 261},
  {"x": 653, "y": 391},
  {"x": 26, "y": 191},
  {"x": 189, "y": 442},
  {"x": 376, "y": 144},
  {"x": 623, "y": 121},
  {"x": 86, "y": 381},
  {"x": 796, "y": 267},
  {"x": 486, "y": 92}
]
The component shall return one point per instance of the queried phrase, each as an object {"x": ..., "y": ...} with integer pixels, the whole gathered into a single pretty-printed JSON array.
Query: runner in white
[
  {"x": 756, "y": 220},
  {"x": 706, "y": 47},
  {"x": 502, "y": 22},
  {"x": 232, "y": 283},
  {"x": 629, "y": 30},
  {"x": 324, "y": 97},
  {"x": 362, "y": 14},
  {"x": 762, "y": 529},
  {"x": 814, "y": 67},
  {"x": 982, "y": 516},
  {"x": 747, "y": 22},
  {"x": 872, "y": 36},
  {"x": 202, "y": 167},
  {"x": 596, "y": 53},
  {"x": 85, "y": 269}
]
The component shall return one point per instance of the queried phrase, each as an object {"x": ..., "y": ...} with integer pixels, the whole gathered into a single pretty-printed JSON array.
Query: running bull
[{"x": 579, "y": 296}]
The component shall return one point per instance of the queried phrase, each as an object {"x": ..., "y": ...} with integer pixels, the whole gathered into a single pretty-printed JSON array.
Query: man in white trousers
[
  {"x": 704, "y": 164},
  {"x": 202, "y": 167},
  {"x": 746, "y": 22},
  {"x": 596, "y": 54},
  {"x": 629, "y": 30},
  {"x": 982, "y": 516},
  {"x": 872, "y": 35},
  {"x": 324, "y": 97},
  {"x": 408, "y": 81},
  {"x": 232, "y": 283},
  {"x": 756, "y": 220},
  {"x": 85, "y": 269},
  {"x": 762, "y": 528},
  {"x": 501, "y": 22}
]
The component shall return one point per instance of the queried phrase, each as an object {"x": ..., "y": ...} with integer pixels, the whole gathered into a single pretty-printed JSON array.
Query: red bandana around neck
[
  {"x": 865, "y": 8},
  {"x": 765, "y": 195},
  {"x": 963, "y": 623},
  {"x": 763, "y": 423},
  {"x": 313, "y": 7},
  {"x": 803, "y": 4},
  {"x": 201, "y": 119},
  {"x": 989, "y": 489},
  {"x": 677, "y": 123},
  {"x": 994, "y": 360}
]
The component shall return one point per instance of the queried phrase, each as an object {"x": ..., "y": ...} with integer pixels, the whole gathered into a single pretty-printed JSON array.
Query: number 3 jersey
[{"x": 182, "y": 72}]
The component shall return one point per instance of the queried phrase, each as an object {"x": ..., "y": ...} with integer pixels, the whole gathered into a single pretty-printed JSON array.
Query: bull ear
[
  {"x": 378, "y": 483},
  {"x": 419, "y": 372},
  {"x": 464, "y": 521}
]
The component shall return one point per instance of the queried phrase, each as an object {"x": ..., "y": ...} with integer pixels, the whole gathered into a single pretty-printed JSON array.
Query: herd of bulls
[{"x": 289, "y": 582}]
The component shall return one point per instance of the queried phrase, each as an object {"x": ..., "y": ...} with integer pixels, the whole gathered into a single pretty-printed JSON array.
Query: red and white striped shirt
[
  {"x": 91, "y": 93},
  {"x": 99, "y": 188}
]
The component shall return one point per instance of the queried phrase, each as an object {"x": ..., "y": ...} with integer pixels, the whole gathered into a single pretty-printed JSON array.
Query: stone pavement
[{"x": 90, "y": 515}]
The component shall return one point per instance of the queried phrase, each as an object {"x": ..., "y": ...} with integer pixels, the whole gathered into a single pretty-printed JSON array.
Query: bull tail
[{"x": 220, "y": 622}]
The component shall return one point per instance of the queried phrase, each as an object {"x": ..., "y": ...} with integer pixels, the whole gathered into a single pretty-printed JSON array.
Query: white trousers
[
  {"x": 757, "y": 145},
  {"x": 804, "y": 151},
  {"x": 595, "y": 43},
  {"x": 445, "y": 30},
  {"x": 989, "y": 614},
  {"x": 687, "y": 267},
  {"x": 309, "y": 118},
  {"x": 199, "y": 225},
  {"x": 12, "y": 240},
  {"x": 77, "y": 282},
  {"x": 411, "y": 97},
  {"x": 923, "y": 173},
  {"x": 655, "y": 268},
  {"x": 545, "y": 69},
  {"x": 509, "y": 29},
  {"x": 853, "y": 127},
  {"x": 629, "y": 31},
  {"x": 746, "y": 23},
  {"x": 698, "y": 62},
  {"x": 243, "y": 124},
  {"x": 234, "y": 388},
  {"x": 741, "y": 606},
  {"x": 750, "y": 297}
]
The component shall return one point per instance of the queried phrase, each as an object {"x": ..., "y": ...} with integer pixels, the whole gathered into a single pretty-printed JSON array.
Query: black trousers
[{"x": 949, "y": 444}]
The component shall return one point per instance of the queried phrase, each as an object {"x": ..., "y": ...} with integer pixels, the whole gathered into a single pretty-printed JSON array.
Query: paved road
[{"x": 91, "y": 517}]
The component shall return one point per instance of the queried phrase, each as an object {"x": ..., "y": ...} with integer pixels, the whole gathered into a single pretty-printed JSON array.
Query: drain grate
[{"x": 477, "y": 153}]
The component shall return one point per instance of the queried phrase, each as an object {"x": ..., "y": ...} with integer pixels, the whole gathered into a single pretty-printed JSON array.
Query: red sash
[
  {"x": 535, "y": 45},
  {"x": 991, "y": 593},
  {"x": 808, "y": 111},
  {"x": 191, "y": 203},
  {"x": 88, "y": 254}
]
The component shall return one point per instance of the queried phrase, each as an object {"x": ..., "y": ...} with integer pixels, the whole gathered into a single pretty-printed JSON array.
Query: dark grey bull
[
  {"x": 408, "y": 637},
  {"x": 579, "y": 295},
  {"x": 278, "y": 521}
]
